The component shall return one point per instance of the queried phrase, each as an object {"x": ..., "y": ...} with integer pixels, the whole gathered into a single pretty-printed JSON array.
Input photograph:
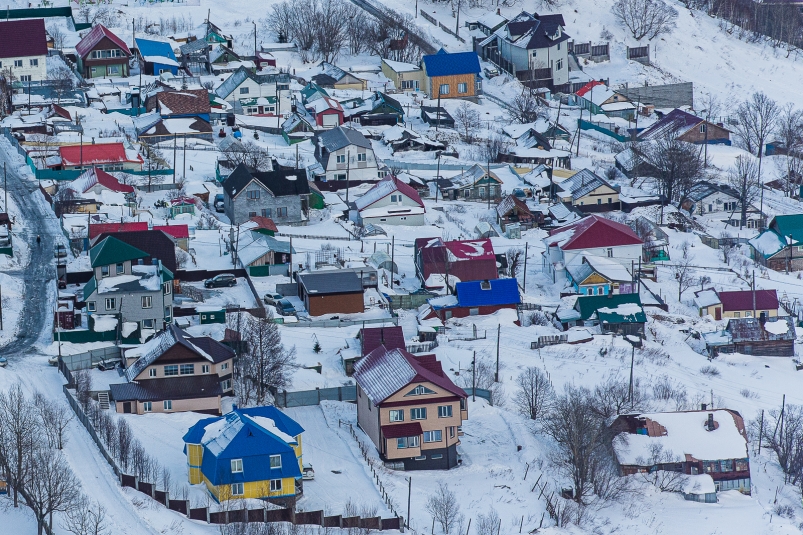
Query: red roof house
[
  {"x": 264, "y": 224},
  {"x": 22, "y": 38},
  {"x": 587, "y": 88},
  {"x": 328, "y": 112},
  {"x": 101, "y": 53},
  {"x": 96, "y": 229},
  {"x": 96, "y": 180},
  {"x": 465, "y": 260},
  {"x": 177, "y": 231},
  {"x": 106, "y": 156},
  {"x": 387, "y": 337},
  {"x": 742, "y": 301}
]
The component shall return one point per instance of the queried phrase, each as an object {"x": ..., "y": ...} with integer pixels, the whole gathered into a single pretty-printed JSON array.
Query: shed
[
  {"x": 211, "y": 315},
  {"x": 485, "y": 230},
  {"x": 382, "y": 260}
]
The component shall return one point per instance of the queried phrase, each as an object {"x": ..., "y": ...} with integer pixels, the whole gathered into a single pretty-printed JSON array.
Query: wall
[
  {"x": 131, "y": 304},
  {"x": 662, "y": 96},
  {"x": 352, "y": 169},
  {"x": 368, "y": 420},
  {"x": 239, "y": 208},
  {"x": 318, "y": 305},
  {"x": 415, "y": 220},
  {"x": 37, "y": 73},
  {"x": 452, "y": 81},
  {"x": 715, "y": 133},
  {"x": 622, "y": 254},
  {"x": 210, "y": 405},
  {"x": 749, "y": 313}
]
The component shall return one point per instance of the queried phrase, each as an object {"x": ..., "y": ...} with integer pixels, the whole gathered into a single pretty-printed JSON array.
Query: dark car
[
  {"x": 221, "y": 281},
  {"x": 219, "y": 206}
]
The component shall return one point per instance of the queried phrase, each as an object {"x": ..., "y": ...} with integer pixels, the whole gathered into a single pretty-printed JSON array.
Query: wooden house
[
  {"x": 405, "y": 76},
  {"x": 475, "y": 298},
  {"x": 24, "y": 49},
  {"x": 687, "y": 127},
  {"x": 737, "y": 304},
  {"x": 157, "y": 56},
  {"x": 477, "y": 182},
  {"x": 778, "y": 247},
  {"x": 512, "y": 210},
  {"x": 103, "y": 156},
  {"x": 101, "y": 54},
  {"x": 437, "y": 262},
  {"x": 768, "y": 337},
  {"x": 437, "y": 116},
  {"x": 599, "y": 99},
  {"x": 455, "y": 75},
  {"x": 597, "y": 275},
  {"x": 331, "y": 292},
  {"x": 613, "y": 313},
  {"x": 588, "y": 192},
  {"x": 390, "y": 202}
]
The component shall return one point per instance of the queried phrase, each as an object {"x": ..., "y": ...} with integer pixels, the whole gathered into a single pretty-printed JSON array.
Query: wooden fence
[
  {"x": 429, "y": 18},
  {"x": 640, "y": 54}
]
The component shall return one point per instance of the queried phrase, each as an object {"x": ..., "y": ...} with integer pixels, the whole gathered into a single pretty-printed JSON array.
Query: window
[
  {"x": 187, "y": 369},
  {"x": 281, "y": 211},
  {"x": 171, "y": 369},
  {"x": 473, "y": 311},
  {"x": 168, "y": 405},
  {"x": 168, "y": 312},
  {"x": 104, "y": 271},
  {"x": 610, "y": 252},
  {"x": 226, "y": 385},
  {"x": 445, "y": 411},
  {"x": 90, "y": 306},
  {"x": 401, "y": 443},
  {"x": 147, "y": 406},
  {"x": 147, "y": 324},
  {"x": 419, "y": 413},
  {"x": 535, "y": 53},
  {"x": 451, "y": 431},
  {"x": 340, "y": 177},
  {"x": 204, "y": 368},
  {"x": 224, "y": 366},
  {"x": 412, "y": 442},
  {"x": 266, "y": 212},
  {"x": 462, "y": 404},
  {"x": 236, "y": 466},
  {"x": 433, "y": 436},
  {"x": 702, "y": 128},
  {"x": 119, "y": 269},
  {"x": 18, "y": 63},
  {"x": 252, "y": 214},
  {"x": 243, "y": 90},
  {"x": 113, "y": 69},
  {"x": 237, "y": 489},
  {"x": 462, "y": 88},
  {"x": 742, "y": 465},
  {"x": 111, "y": 303},
  {"x": 275, "y": 485},
  {"x": 275, "y": 461},
  {"x": 381, "y": 174},
  {"x": 559, "y": 65},
  {"x": 558, "y": 46},
  {"x": 362, "y": 157},
  {"x": 341, "y": 158},
  {"x": 737, "y": 315},
  {"x": 152, "y": 372},
  {"x": 420, "y": 390},
  {"x": 436, "y": 456},
  {"x": 448, "y": 314},
  {"x": 444, "y": 89},
  {"x": 147, "y": 301},
  {"x": 168, "y": 288},
  {"x": 420, "y": 458},
  {"x": 34, "y": 63},
  {"x": 466, "y": 194},
  {"x": 726, "y": 466},
  {"x": 482, "y": 192},
  {"x": 252, "y": 194},
  {"x": 599, "y": 201},
  {"x": 397, "y": 416}
]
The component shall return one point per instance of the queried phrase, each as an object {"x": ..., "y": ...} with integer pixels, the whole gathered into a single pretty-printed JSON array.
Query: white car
[{"x": 308, "y": 473}]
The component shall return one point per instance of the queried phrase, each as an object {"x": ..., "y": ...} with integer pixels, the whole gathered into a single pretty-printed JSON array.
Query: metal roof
[
  {"x": 488, "y": 293},
  {"x": 113, "y": 251},
  {"x": 187, "y": 387},
  {"x": 339, "y": 138},
  {"x": 445, "y": 64},
  {"x": 330, "y": 282}
]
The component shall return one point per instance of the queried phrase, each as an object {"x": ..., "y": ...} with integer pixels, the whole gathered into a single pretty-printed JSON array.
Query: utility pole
[
  {"x": 5, "y": 186},
  {"x": 139, "y": 63},
  {"x": 296, "y": 155},
  {"x": 438, "y": 111},
  {"x": 437, "y": 177},
  {"x": 760, "y": 431},
  {"x": 632, "y": 360},
  {"x": 457, "y": 24},
  {"x": 185, "y": 159},
  {"x": 256, "y": 62},
  {"x": 1, "y": 308},
  {"x": 524, "y": 285},
  {"x": 474, "y": 377},
  {"x": 489, "y": 184},
  {"x": 392, "y": 256},
  {"x": 291, "y": 258},
  {"x": 498, "y": 334},
  {"x": 409, "y": 493},
  {"x": 348, "y": 170},
  {"x": 753, "y": 288}
]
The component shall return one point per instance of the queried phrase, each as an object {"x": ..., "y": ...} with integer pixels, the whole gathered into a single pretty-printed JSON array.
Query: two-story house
[
  {"x": 257, "y": 94},
  {"x": 586, "y": 191},
  {"x": 281, "y": 194},
  {"x": 454, "y": 75},
  {"x": 531, "y": 46},
  {"x": 102, "y": 54},
  {"x": 345, "y": 154},
  {"x": 737, "y": 303},
  {"x": 687, "y": 127},
  {"x": 779, "y": 246},
  {"x": 124, "y": 286},
  {"x": 23, "y": 49},
  {"x": 410, "y": 409},
  {"x": 390, "y": 202},
  {"x": 476, "y": 182},
  {"x": 722, "y": 201},
  {"x": 175, "y": 372}
]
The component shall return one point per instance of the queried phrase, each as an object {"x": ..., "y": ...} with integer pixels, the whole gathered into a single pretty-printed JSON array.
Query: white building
[
  {"x": 390, "y": 202},
  {"x": 23, "y": 49},
  {"x": 345, "y": 154}
]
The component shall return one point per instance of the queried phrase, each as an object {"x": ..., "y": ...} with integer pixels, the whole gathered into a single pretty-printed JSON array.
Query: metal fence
[
  {"x": 304, "y": 398},
  {"x": 91, "y": 358},
  {"x": 331, "y": 324},
  {"x": 82, "y": 417},
  {"x": 481, "y": 393}
]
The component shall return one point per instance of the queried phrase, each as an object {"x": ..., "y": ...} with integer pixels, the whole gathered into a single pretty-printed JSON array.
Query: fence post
[{"x": 340, "y": 393}]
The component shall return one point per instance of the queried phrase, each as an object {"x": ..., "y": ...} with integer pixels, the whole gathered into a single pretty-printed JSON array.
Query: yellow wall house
[{"x": 248, "y": 453}]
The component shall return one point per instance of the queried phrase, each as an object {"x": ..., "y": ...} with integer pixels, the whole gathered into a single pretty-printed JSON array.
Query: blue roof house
[
  {"x": 475, "y": 298},
  {"x": 452, "y": 75},
  {"x": 158, "y": 57},
  {"x": 248, "y": 453}
]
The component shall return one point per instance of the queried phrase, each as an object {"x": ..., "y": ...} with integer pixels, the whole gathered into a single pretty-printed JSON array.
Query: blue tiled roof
[
  {"x": 155, "y": 48},
  {"x": 501, "y": 292},
  {"x": 443, "y": 64}
]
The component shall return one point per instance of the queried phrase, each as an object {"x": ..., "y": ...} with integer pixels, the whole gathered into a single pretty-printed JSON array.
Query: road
[{"x": 40, "y": 274}]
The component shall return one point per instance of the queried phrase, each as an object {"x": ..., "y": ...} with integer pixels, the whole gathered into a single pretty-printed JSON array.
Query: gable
[
  {"x": 594, "y": 278},
  {"x": 253, "y": 185},
  {"x": 403, "y": 395}
]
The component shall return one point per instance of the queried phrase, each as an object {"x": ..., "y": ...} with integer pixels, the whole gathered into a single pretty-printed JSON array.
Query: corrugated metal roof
[
  {"x": 488, "y": 293},
  {"x": 444, "y": 64},
  {"x": 187, "y": 387},
  {"x": 330, "y": 282}
]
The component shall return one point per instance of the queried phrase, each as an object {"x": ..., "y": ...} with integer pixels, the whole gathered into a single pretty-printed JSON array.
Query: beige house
[
  {"x": 174, "y": 372},
  {"x": 588, "y": 192},
  {"x": 405, "y": 76},
  {"x": 737, "y": 304},
  {"x": 410, "y": 409}
]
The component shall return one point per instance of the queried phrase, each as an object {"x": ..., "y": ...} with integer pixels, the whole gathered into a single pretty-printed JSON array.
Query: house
[
  {"x": 488, "y": 23},
  {"x": 599, "y": 99},
  {"x": 104, "y": 156},
  {"x": 102, "y": 54},
  {"x": 591, "y": 236},
  {"x": 158, "y": 246},
  {"x": 588, "y": 192},
  {"x": 778, "y": 247},
  {"x": 300, "y": 125},
  {"x": 224, "y": 60},
  {"x": 327, "y": 112},
  {"x": 182, "y": 103},
  {"x": 175, "y": 372},
  {"x": 23, "y": 49},
  {"x": 96, "y": 181},
  {"x": 437, "y": 116},
  {"x": 632, "y": 163},
  {"x": 331, "y": 292},
  {"x": 437, "y": 261},
  {"x": 762, "y": 336},
  {"x": 476, "y": 298},
  {"x": 256, "y": 94},
  {"x": 455, "y": 75},
  {"x": 597, "y": 275},
  {"x": 712, "y": 442},
  {"x": 179, "y": 233},
  {"x": 533, "y": 147},
  {"x": 281, "y": 194},
  {"x": 378, "y": 109},
  {"x": 96, "y": 229},
  {"x": 176, "y": 129},
  {"x": 410, "y": 409},
  {"x": 476, "y": 182},
  {"x": 388, "y": 337},
  {"x": 405, "y": 76},
  {"x": 720, "y": 199},
  {"x": 400, "y": 139},
  {"x": 248, "y": 453},
  {"x": 345, "y": 154},
  {"x": 737, "y": 304},
  {"x": 263, "y": 255},
  {"x": 613, "y": 313},
  {"x": 195, "y": 56},
  {"x": 390, "y": 202},
  {"x": 123, "y": 285},
  {"x": 158, "y": 56},
  {"x": 512, "y": 210},
  {"x": 532, "y": 47},
  {"x": 687, "y": 127},
  {"x": 331, "y": 76}
]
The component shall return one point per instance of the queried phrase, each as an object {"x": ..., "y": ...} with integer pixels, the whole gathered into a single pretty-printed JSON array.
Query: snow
[
  {"x": 776, "y": 327},
  {"x": 270, "y": 426},
  {"x": 699, "y": 484},
  {"x": 128, "y": 328},
  {"x": 625, "y": 309},
  {"x": 767, "y": 243},
  {"x": 103, "y": 323}
]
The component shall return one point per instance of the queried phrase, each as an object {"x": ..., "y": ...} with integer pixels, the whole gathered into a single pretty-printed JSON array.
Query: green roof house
[
  {"x": 779, "y": 247},
  {"x": 614, "y": 313}
]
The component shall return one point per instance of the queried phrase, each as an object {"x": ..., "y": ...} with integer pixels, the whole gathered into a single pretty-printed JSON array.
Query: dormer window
[{"x": 485, "y": 285}]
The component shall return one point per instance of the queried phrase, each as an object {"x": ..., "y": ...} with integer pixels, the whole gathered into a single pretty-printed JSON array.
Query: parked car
[
  {"x": 219, "y": 202},
  {"x": 308, "y": 473},
  {"x": 221, "y": 281},
  {"x": 54, "y": 360},
  {"x": 491, "y": 72},
  {"x": 3, "y": 362},
  {"x": 271, "y": 299},
  {"x": 285, "y": 307}
]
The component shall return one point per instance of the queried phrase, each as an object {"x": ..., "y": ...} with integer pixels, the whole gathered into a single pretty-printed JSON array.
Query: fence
[
  {"x": 408, "y": 301},
  {"x": 313, "y": 237},
  {"x": 451, "y": 32},
  {"x": 421, "y": 347},
  {"x": 330, "y": 324},
  {"x": 91, "y": 358},
  {"x": 45, "y": 12},
  {"x": 640, "y": 54},
  {"x": 82, "y": 417},
  {"x": 305, "y": 398},
  {"x": 481, "y": 393},
  {"x": 429, "y": 18},
  {"x": 602, "y": 128},
  {"x": 370, "y": 461},
  {"x": 549, "y": 340}
]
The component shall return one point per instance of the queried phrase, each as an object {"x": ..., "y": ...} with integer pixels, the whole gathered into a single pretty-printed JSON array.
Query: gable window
[
  {"x": 252, "y": 194},
  {"x": 237, "y": 489},
  {"x": 252, "y": 214},
  {"x": 275, "y": 485},
  {"x": 168, "y": 405},
  {"x": 397, "y": 416},
  {"x": 104, "y": 271},
  {"x": 362, "y": 157},
  {"x": 281, "y": 211},
  {"x": 147, "y": 301},
  {"x": 152, "y": 372},
  {"x": 395, "y": 198},
  {"x": 147, "y": 406},
  {"x": 90, "y": 306},
  {"x": 535, "y": 53},
  {"x": 147, "y": 324},
  {"x": 444, "y": 89},
  {"x": 111, "y": 303},
  {"x": 243, "y": 90},
  {"x": 204, "y": 368},
  {"x": 445, "y": 411},
  {"x": 275, "y": 461},
  {"x": 462, "y": 88},
  {"x": 420, "y": 390},
  {"x": 433, "y": 436},
  {"x": 187, "y": 369},
  {"x": 237, "y": 466},
  {"x": 341, "y": 158},
  {"x": 419, "y": 413},
  {"x": 171, "y": 370},
  {"x": 702, "y": 128}
]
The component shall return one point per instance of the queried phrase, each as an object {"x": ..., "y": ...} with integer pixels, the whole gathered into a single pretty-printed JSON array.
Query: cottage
[
  {"x": 513, "y": 210},
  {"x": 248, "y": 453},
  {"x": 96, "y": 229},
  {"x": 158, "y": 246},
  {"x": 488, "y": 23},
  {"x": 410, "y": 409},
  {"x": 378, "y": 109},
  {"x": 712, "y": 442},
  {"x": 102, "y": 54},
  {"x": 158, "y": 56},
  {"x": 437, "y": 116},
  {"x": 299, "y": 126},
  {"x": 281, "y": 195},
  {"x": 437, "y": 261},
  {"x": 331, "y": 292},
  {"x": 588, "y": 192},
  {"x": 327, "y": 112},
  {"x": 400, "y": 139},
  {"x": 23, "y": 49},
  {"x": 599, "y": 99},
  {"x": 762, "y": 336},
  {"x": 477, "y": 182},
  {"x": 104, "y": 156},
  {"x": 597, "y": 275},
  {"x": 179, "y": 233},
  {"x": 331, "y": 76},
  {"x": 613, "y": 313},
  {"x": 183, "y": 103},
  {"x": 97, "y": 181},
  {"x": 405, "y": 76},
  {"x": 476, "y": 298},
  {"x": 737, "y": 304},
  {"x": 778, "y": 247},
  {"x": 723, "y": 201},
  {"x": 256, "y": 94},
  {"x": 175, "y": 372},
  {"x": 345, "y": 154},
  {"x": 263, "y": 255},
  {"x": 194, "y": 56},
  {"x": 533, "y": 147},
  {"x": 390, "y": 202},
  {"x": 687, "y": 127},
  {"x": 455, "y": 75}
]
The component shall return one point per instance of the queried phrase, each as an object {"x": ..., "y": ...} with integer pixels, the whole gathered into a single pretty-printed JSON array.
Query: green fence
[
  {"x": 585, "y": 125},
  {"x": 268, "y": 270},
  {"x": 43, "y": 13},
  {"x": 72, "y": 174},
  {"x": 132, "y": 112}
]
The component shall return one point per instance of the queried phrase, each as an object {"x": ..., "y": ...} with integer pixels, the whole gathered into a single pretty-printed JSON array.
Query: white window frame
[
  {"x": 17, "y": 63},
  {"x": 341, "y": 158},
  {"x": 224, "y": 366},
  {"x": 275, "y": 485},
  {"x": 105, "y": 271},
  {"x": 152, "y": 372},
  {"x": 168, "y": 288},
  {"x": 462, "y": 88},
  {"x": 444, "y": 411},
  {"x": 236, "y": 466},
  {"x": 413, "y": 442},
  {"x": 444, "y": 89},
  {"x": 168, "y": 404},
  {"x": 182, "y": 367},
  {"x": 418, "y": 413},
  {"x": 362, "y": 157},
  {"x": 274, "y": 458},
  {"x": 90, "y": 306},
  {"x": 396, "y": 415},
  {"x": 435, "y": 435},
  {"x": 147, "y": 406},
  {"x": 237, "y": 489},
  {"x": 147, "y": 301},
  {"x": 111, "y": 301},
  {"x": 204, "y": 368},
  {"x": 147, "y": 324},
  {"x": 119, "y": 268},
  {"x": 171, "y": 367}
]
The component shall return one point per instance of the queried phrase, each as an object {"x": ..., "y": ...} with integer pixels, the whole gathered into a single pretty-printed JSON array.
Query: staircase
[{"x": 103, "y": 400}]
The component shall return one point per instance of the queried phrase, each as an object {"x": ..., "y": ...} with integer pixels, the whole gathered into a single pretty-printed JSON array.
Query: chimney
[
  {"x": 703, "y": 406},
  {"x": 498, "y": 12},
  {"x": 710, "y": 422}
]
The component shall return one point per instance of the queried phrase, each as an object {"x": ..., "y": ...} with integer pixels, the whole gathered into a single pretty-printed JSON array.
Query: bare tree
[
  {"x": 526, "y": 108},
  {"x": 267, "y": 363},
  {"x": 678, "y": 166},
  {"x": 58, "y": 36},
  {"x": 756, "y": 119},
  {"x": 645, "y": 18},
  {"x": 790, "y": 134},
  {"x": 612, "y": 397},
  {"x": 61, "y": 80},
  {"x": 664, "y": 480},
  {"x": 492, "y": 148},
  {"x": 86, "y": 518},
  {"x": 50, "y": 485},
  {"x": 515, "y": 261},
  {"x": 443, "y": 507},
  {"x": 333, "y": 23},
  {"x": 249, "y": 153},
  {"x": 124, "y": 438},
  {"x": 783, "y": 434},
  {"x": 83, "y": 387},
  {"x": 18, "y": 426},
  {"x": 488, "y": 524},
  {"x": 534, "y": 393},
  {"x": 467, "y": 121},
  {"x": 54, "y": 418},
  {"x": 725, "y": 247},
  {"x": 743, "y": 177},
  {"x": 682, "y": 269}
]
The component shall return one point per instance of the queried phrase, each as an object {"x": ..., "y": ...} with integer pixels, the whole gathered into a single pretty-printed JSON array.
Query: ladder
[{"x": 103, "y": 400}]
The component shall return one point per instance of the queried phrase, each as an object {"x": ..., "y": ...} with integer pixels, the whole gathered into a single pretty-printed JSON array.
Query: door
[
  {"x": 127, "y": 407},
  {"x": 717, "y": 313}
]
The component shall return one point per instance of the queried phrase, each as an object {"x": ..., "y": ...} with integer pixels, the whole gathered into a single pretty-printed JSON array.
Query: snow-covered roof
[
  {"x": 699, "y": 484},
  {"x": 706, "y": 298}
]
